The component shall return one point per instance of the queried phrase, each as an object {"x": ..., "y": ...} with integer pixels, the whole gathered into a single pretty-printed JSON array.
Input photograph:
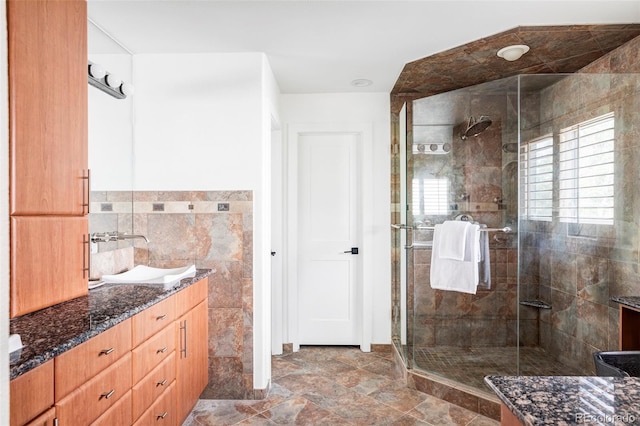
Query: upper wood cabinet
[
  {"x": 47, "y": 42},
  {"x": 49, "y": 261}
]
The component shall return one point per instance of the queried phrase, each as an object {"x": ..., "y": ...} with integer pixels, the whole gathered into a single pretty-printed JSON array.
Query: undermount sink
[{"x": 146, "y": 275}]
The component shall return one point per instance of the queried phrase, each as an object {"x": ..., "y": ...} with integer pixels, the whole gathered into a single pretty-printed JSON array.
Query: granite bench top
[
  {"x": 630, "y": 301},
  {"x": 51, "y": 331},
  {"x": 570, "y": 400}
]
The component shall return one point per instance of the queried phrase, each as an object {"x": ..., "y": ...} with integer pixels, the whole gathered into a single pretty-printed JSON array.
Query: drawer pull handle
[
  {"x": 161, "y": 351},
  {"x": 107, "y": 395},
  {"x": 106, "y": 351},
  {"x": 161, "y": 416},
  {"x": 162, "y": 383},
  {"x": 161, "y": 317}
]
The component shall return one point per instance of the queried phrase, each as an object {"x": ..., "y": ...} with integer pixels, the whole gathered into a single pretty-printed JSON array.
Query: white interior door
[{"x": 328, "y": 229}]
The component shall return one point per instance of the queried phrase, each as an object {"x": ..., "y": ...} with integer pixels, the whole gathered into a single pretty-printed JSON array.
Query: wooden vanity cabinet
[
  {"x": 31, "y": 396},
  {"x": 149, "y": 369},
  {"x": 192, "y": 360},
  {"x": 49, "y": 185}
]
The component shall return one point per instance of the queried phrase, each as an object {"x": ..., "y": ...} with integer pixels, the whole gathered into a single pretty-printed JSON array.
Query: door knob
[{"x": 354, "y": 250}]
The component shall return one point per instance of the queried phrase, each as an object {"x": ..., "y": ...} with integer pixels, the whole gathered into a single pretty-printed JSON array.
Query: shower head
[{"x": 474, "y": 128}]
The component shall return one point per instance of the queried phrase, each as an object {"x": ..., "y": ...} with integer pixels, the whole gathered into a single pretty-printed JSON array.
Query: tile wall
[{"x": 211, "y": 229}]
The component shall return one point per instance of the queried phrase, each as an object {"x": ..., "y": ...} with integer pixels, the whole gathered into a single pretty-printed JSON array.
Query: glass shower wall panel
[
  {"x": 460, "y": 168},
  {"x": 579, "y": 221}
]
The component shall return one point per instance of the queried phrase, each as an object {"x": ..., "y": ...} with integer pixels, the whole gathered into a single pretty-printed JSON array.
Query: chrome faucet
[{"x": 105, "y": 237}]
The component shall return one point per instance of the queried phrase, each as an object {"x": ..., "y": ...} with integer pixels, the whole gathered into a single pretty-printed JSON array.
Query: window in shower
[
  {"x": 430, "y": 196},
  {"x": 586, "y": 172},
  {"x": 536, "y": 160}
]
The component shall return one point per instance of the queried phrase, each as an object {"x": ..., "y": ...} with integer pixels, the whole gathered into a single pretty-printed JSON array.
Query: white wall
[
  {"x": 111, "y": 129},
  {"x": 203, "y": 122},
  {"x": 4, "y": 223},
  {"x": 198, "y": 121},
  {"x": 359, "y": 108}
]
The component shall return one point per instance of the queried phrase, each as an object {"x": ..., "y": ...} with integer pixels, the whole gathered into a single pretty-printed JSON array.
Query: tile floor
[
  {"x": 333, "y": 386},
  {"x": 470, "y": 365}
]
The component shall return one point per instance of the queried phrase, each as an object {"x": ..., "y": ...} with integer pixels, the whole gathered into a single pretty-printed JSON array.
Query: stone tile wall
[
  {"x": 211, "y": 229},
  {"x": 486, "y": 319}
]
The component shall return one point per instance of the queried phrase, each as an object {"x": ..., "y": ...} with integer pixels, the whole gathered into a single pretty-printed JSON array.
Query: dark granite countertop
[
  {"x": 570, "y": 400},
  {"x": 51, "y": 331},
  {"x": 631, "y": 301}
]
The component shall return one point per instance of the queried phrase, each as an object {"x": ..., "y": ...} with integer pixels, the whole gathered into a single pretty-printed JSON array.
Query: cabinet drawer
[
  {"x": 152, "y": 352},
  {"x": 83, "y": 362},
  {"x": 118, "y": 414},
  {"x": 191, "y": 296},
  {"x": 47, "y": 418},
  {"x": 153, "y": 319},
  {"x": 153, "y": 384},
  {"x": 31, "y": 394},
  {"x": 89, "y": 401},
  {"x": 162, "y": 412}
]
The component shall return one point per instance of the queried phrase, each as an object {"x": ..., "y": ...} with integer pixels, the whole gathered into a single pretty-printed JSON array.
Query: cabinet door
[
  {"x": 31, "y": 394},
  {"x": 48, "y": 256},
  {"x": 192, "y": 358},
  {"x": 47, "y": 41}
]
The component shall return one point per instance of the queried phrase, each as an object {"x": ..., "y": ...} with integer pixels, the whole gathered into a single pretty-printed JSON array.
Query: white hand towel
[
  {"x": 456, "y": 275},
  {"x": 454, "y": 241}
]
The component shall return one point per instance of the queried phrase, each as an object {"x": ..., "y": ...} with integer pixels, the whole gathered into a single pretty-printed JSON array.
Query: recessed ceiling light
[
  {"x": 361, "y": 82},
  {"x": 513, "y": 53}
]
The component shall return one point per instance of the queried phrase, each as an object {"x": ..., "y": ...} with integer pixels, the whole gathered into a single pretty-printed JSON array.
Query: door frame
[{"x": 364, "y": 131}]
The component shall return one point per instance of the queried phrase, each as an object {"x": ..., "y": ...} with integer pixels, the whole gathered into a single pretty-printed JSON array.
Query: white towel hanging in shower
[
  {"x": 456, "y": 275},
  {"x": 453, "y": 246}
]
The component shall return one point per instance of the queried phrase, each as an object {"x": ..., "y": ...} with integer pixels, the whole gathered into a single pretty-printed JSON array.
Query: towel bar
[{"x": 506, "y": 229}]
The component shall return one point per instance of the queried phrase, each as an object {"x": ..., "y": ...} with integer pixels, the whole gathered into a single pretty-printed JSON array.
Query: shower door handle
[{"x": 354, "y": 250}]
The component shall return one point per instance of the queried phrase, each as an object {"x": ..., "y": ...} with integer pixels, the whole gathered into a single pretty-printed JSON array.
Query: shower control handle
[{"x": 354, "y": 250}]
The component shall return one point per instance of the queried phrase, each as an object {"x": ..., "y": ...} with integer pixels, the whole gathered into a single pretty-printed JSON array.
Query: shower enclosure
[{"x": 554, "y": 158}]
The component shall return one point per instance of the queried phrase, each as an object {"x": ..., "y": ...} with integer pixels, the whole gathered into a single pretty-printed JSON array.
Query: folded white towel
[
  {"x": 456, "y": 275},
  {"x": 454, "y": 243}
]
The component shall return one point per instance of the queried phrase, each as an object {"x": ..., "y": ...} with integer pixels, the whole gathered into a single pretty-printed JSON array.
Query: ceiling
[{"x": 320, "y": 46}]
